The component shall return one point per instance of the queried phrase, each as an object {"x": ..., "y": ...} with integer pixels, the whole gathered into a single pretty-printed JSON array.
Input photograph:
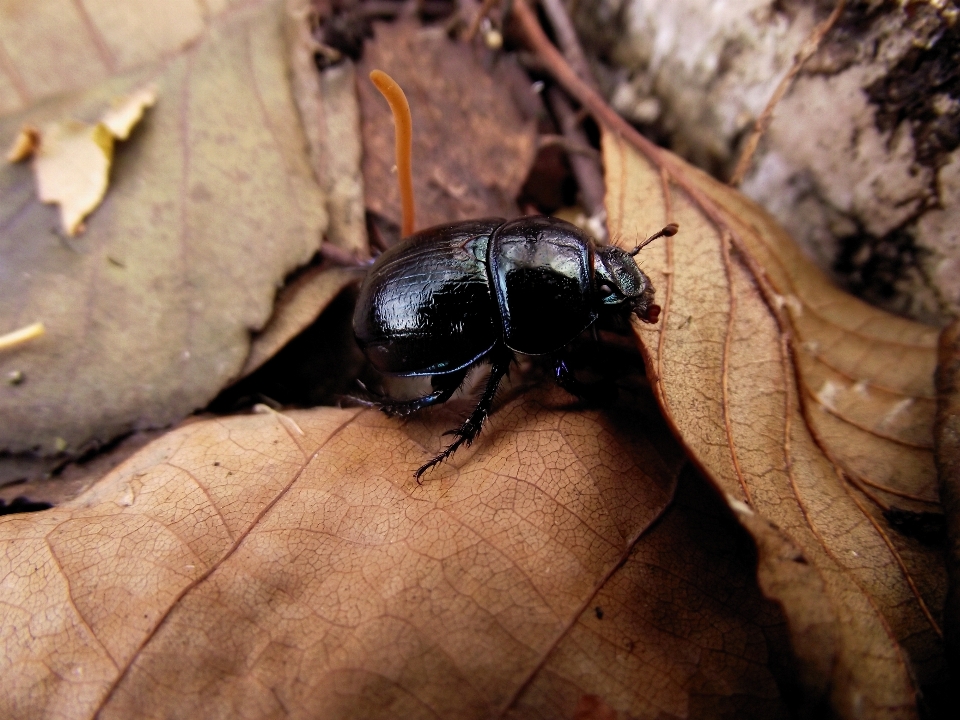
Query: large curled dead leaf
[
  {"x": 212, "y": 204},
  {"x": 240, "y": 568},
  {"x": 808, "y": 408}
]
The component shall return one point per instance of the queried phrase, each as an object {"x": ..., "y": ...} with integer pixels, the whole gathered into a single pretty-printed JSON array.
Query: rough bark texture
[{"x": 860, "y": 163}]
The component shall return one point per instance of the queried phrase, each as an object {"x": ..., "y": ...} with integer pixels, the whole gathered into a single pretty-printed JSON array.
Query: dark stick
[
  {"x": 588, "y": 171},
  {"x": 567, "y": 39}
]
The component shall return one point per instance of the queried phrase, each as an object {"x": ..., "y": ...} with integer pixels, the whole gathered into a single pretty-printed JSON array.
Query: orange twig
[
  {"x": 579, "y": 89},
  {"x": 806, "y": 51},
  {"x": 403, "y": 124}
]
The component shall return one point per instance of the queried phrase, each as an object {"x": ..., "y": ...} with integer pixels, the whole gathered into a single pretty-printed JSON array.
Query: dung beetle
[{"x": 449, "y": 297}]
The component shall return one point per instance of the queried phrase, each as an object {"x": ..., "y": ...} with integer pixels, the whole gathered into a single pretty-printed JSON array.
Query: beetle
[{"x": 452, "y": 296}]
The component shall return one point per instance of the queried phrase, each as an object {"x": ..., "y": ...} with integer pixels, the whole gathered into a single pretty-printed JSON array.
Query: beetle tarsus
[{"x": 468, "y": 432}]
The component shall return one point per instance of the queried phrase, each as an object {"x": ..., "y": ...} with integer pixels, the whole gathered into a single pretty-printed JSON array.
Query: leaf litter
[
  {"x": 278, "y": 567},
  {"x": 767, "y": 344},
  {"x": 213, "y": 203}
]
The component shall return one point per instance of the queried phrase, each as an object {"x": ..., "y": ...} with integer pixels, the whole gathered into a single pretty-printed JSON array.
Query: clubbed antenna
[
  {"x": 669, "y": 231},
  {"x": 403, "y": 124}
]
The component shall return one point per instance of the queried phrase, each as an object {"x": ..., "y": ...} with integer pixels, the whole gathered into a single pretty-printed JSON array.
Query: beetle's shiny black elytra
[{"x": 454, "y": 295}]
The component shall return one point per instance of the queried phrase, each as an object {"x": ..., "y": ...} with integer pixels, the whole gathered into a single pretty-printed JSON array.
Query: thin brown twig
[
  {"x": 568, "y": 145},
  {"x": 578, "y": 88},
  {"x": 586, "y": 169},
  {"x": 589, "y": 173},
  {"x": 806, "y": 51},
  {"x": 567, "y": 38}
]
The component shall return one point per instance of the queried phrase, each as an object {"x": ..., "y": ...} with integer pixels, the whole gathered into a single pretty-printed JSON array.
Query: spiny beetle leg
[{"x": 467, "y": 433}]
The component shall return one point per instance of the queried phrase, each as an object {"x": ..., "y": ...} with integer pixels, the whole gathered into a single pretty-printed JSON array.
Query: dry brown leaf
[
  {"x": 212, "y": 204},
  {"x": 328, "y": 103},
  {"x": 37, "y": 482},
  {"x": 472, "y": 147},
  {"x": 806, "y": 404},
  {"x": 298, "y": 305},
  {"x": 235, "y": 568},
  {"x": 592, "y": 707},
  {"x": 58, "y": 46}
]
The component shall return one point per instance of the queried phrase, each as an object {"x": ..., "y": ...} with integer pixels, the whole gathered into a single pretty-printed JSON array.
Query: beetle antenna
[
  {"x": 403, "y": 125},
  {"x": 669, "y": 231}
]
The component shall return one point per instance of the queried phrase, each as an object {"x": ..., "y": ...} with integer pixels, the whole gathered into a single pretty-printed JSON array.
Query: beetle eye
[{"x": 606, "y": 289}]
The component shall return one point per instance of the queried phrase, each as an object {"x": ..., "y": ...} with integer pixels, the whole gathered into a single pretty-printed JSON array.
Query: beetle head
[{"x": 621, "y": 284}]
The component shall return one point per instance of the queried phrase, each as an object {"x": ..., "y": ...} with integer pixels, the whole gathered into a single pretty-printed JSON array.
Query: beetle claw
[{"x": 467, "y": 433}]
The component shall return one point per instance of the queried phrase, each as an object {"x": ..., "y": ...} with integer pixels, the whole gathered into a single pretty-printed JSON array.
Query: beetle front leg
[{"x": 467, "y": 433}]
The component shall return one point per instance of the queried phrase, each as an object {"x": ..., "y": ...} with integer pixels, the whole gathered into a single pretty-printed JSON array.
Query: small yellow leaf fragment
[
  {"x": 24, "y": 334},
  {"x": 127, "y": 111},
  {"x": 72, "y": 166},
  {"x": 24, "y": 145},
  {"x": 71, "y": 160}
]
